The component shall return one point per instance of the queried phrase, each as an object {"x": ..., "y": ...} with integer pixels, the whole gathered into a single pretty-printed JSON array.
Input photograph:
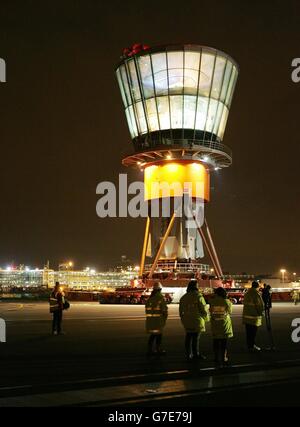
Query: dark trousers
[
  {"x": 251, "y": 331},
  {"x": 57, "y": 319},
  {"x": 220, "y": 349},
  {"x": 192, "y": 344},
  {"x": 154, "y": 342},
  {"x": 268, "y": 318}
]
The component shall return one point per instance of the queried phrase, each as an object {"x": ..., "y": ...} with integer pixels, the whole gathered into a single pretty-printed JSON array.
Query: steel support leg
[{"x": 166, "y": 235}]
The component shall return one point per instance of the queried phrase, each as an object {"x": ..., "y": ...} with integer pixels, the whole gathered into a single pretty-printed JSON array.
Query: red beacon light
[{"x": 134, "y": 49}]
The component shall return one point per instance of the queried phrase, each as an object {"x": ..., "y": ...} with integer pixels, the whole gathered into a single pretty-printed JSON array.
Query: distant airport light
[
  {"x": 282, "y": 271},
  {"x": 8, "y": 268}
]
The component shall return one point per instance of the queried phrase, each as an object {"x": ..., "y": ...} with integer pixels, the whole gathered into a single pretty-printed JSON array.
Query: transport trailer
[{"x": 129, "y": 295}]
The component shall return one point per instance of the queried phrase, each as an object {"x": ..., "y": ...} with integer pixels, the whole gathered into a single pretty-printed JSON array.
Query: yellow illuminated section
[{"x": 171, "y": 179}]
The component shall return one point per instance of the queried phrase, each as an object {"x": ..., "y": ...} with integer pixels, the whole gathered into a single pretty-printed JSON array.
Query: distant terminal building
[
  {"x": 92, "y": 280},
  {"x": 88, "y": 279},
  {"x": 26, "y": 278}
]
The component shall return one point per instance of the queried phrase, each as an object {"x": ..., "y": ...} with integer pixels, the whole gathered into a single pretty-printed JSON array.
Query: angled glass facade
[{"x": 177, "y": 95}]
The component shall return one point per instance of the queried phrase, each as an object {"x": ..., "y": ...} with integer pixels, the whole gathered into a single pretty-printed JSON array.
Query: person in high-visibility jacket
[
  {"x": 156, "y": 317},
  {"x": 252, "y": 315},
  {"x": 56, "y": 301},
  {"x": 193, "y": 314},
  {"x": 221, "y": 326},
  {"x": 295, "y": 296}
]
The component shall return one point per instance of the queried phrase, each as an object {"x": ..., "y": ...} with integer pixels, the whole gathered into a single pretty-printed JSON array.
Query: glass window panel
[
  {"x": 129, "y": 123},
  {"x": 141, "y": 117},
  {"x": 230, "y": 87},
  {"x": 226, "y": 81},
  {"x": 161, "y": 83},
  {"x": 175, "y": 59},
  {"x": 163, "y": 112},
  {"x": 212, "y": 111},
  {"x": 146, "y": 75},
  {"x": 189, "y": 112},
  {"x": 175, "y": 69},
  {"x": 176, "y": 111},
  {"x": 152, "y": 114},
  {"x": 176, "y": 81},
  {"x": 134, "y": 81},
  {"x": 207, "y": 65},
  {"x": 191, "y": 60},
  {"x": 133, "y": 121},
  {"x": 218, "y": 117},
  {"x": 218, "y": 77},
  {"x": 223, "y": 123},
  {"x": 125, "y": 84},
  {"x": 202, "y": 105},
  {"x": 121, "y": 87},
  {"x": 159, "y": 64},
  {"x": 190, "y": 81}
]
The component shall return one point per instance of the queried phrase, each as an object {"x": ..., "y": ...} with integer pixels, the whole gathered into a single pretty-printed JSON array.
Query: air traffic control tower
[{"x": 177, "y": 100}]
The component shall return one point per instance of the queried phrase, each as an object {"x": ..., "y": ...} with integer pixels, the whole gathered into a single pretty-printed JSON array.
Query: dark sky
[{"x": 63, "y": 129}]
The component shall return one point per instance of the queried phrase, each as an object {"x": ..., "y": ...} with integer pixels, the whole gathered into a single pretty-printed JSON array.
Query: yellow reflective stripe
[
  {"x": 253, "y": 317},
  {"x": 154, "y": 330},
  {"x": 153, "y": 315}
]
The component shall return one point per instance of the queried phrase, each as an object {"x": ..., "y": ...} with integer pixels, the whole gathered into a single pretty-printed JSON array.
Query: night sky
[{"x": 63, "y": 128}]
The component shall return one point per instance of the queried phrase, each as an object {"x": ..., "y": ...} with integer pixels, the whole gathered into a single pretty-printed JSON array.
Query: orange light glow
[{"x": 172, "y": 179}]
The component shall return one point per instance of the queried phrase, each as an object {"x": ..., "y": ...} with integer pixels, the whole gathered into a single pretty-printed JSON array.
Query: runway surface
[{"x": 105, "y": 346}]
